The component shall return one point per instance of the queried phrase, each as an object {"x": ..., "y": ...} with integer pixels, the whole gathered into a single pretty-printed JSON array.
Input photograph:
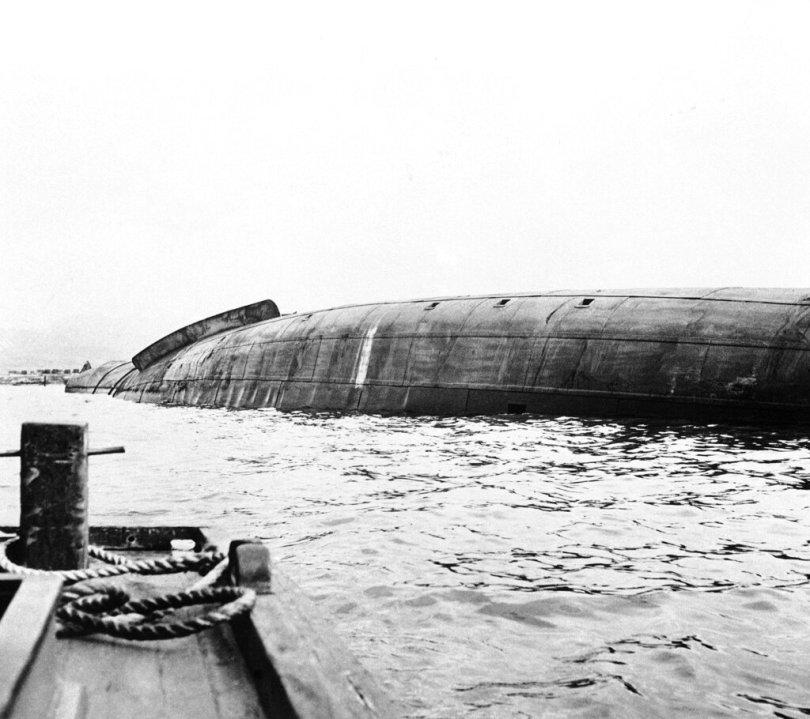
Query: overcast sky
[{"x": 161, "y": 162}]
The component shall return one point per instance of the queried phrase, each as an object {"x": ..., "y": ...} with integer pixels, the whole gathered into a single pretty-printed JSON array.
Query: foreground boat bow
[{"x": 281, "y": 660}]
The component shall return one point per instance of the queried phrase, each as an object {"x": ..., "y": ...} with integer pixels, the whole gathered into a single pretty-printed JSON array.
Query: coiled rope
[
  {"x": 118, "y": 565},
  {"x": 109, "y": 609}
]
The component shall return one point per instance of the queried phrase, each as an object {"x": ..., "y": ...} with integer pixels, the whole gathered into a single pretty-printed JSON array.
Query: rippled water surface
[{"x": 495, "y": 567}]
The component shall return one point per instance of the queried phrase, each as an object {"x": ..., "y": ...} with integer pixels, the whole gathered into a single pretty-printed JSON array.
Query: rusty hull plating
[{"x": 740, "y": 354}]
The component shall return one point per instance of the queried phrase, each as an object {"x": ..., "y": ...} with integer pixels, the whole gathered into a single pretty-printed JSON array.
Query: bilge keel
[{"x": 727, "y": 353}]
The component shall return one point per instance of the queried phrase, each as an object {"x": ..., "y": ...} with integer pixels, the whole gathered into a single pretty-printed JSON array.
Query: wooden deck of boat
[
  {"x": 204, "y": 676},
  {"x": 282, "y": 660}
]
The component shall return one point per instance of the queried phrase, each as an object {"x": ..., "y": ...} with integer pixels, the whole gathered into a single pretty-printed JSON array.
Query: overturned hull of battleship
[{"x": 729, "y": 353}]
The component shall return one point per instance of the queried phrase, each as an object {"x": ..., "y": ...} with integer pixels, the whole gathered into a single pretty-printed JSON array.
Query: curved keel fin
[{"x": 231, "y": 319}]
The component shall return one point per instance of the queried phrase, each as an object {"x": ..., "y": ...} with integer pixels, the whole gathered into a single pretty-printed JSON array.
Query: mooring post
[
  {"x": 53, "y": 496},
  {"x": 249, "y": 561}
]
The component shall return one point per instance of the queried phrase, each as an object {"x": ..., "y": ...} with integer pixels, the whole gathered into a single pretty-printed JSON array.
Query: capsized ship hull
[{"x": 742, "y": 354}]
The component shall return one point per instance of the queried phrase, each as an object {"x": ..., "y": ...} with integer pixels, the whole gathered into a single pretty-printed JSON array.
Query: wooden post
[
  {"x": 250, "y": 564},
  {"x": 53, "y": 496}
]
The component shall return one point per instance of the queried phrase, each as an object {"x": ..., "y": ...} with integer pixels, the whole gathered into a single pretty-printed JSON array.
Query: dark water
[{"x": 496, "y": 567}]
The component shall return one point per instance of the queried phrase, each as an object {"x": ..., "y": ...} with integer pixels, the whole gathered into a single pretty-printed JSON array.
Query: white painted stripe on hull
[{"x": 365, "y": 356}]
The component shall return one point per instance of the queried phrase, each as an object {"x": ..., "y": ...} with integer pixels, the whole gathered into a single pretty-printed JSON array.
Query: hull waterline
[{"x": 736, "y": 354}]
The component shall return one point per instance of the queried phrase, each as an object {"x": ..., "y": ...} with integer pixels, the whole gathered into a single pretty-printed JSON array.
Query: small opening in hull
[
  {"x": 515, "y": 408},
  {"x": 431, "y": 306},
  {"x": 585, "y": 301},
  {"x": 501, "y": 303}
]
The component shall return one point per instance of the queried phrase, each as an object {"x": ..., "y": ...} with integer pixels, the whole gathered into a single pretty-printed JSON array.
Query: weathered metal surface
[
  {"x": 725, "y": 352},
  {"x": 249, "y": 314},
  {"x": 101, "y": 379}
]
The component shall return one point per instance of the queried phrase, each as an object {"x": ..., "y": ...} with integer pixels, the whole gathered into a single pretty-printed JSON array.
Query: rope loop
[
  {"x": 118, "y": 565},
  {"x": 85, "y": 609},
  {"x": 109, "y": 610}
]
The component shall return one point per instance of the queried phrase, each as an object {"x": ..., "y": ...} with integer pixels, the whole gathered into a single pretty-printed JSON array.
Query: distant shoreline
[{"x": 36, "y": 376}]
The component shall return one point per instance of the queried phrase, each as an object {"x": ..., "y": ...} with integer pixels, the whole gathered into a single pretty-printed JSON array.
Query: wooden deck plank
[
  {"x": 27, "y": 667},
  {"x": 228, "y": 675},
  {"x": 202, "y": 676}
]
